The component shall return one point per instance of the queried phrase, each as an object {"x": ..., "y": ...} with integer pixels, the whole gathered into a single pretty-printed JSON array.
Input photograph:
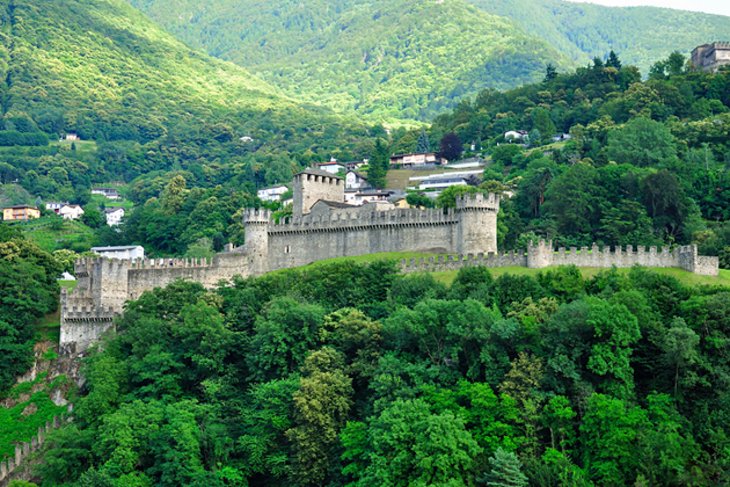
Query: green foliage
[{"x": 348, "y": 374}]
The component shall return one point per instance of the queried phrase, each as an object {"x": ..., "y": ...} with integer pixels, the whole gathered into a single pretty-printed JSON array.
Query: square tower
[{"x": 312, "y": 185}]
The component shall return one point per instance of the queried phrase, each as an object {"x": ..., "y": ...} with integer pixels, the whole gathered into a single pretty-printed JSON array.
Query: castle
[
  {"x": 710, "y": 57},
  {"x": 322, "y": 226}
]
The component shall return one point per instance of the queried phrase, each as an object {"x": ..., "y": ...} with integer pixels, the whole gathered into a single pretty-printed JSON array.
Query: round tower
[
  {"x": 477, "y": 229},
  {"x": 256, "y": 223}
]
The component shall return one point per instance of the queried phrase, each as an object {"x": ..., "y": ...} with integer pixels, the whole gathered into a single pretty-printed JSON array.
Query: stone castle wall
[
  {"x": 542, "y": 255},
  {"x": 469, "y": 231}
]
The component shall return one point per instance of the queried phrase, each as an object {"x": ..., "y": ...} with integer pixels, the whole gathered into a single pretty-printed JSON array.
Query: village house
[
  {"x": 711, "y": 57},
  {"x": 71, "y": 137},
  {"x": 355, "y": 180},
  {"x": 361, "y": 197},
  {"x": 437, "y": 182},
  {"x": 20, "y": 213},
  {"x": 416, "y": 159},
  {"x": 273, "y": 193},
  {"x": 113, "y": 216},
  {"x": 71, "y": 212},
  {"x": 109, "y": 193},
  {"x": 332, "y": 167},
  {"x": 127, "y": 252},
  {"x": 55, "y": 206},
  {"x": 354, "y": 165}
]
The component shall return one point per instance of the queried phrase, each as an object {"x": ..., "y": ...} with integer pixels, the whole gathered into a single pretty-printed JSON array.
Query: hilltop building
[
  {"x": 416, "y": 159},
  {"x": 711, "y": 57},
  {"x": 20, "y": 213},
  {"x": 113, "y": 216},
  {"x": 71, "y": 212},
  {"x": 109, "y": 193},
  {"x": 125, "y": 252},
  {"x": 273, "y": 193}
]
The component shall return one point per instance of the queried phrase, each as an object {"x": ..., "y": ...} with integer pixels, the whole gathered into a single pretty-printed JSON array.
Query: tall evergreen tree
[
  {"x": 551, "y": 73},
  {"x": 506, "y": 470},
  {"x": 423, "y": 145},
  {"x": 613, "y": 61}
]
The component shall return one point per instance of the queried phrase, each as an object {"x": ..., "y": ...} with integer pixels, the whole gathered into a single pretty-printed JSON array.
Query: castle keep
[{"x": 322, "y": 226}]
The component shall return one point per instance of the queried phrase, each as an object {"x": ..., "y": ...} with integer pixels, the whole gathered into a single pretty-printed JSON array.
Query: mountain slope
[
  {"x": 641, "y": 35},
  {"x": 103, "y": 69},
  {"x": 390, "y": 59},
  {"x": 409, "y": 58}
]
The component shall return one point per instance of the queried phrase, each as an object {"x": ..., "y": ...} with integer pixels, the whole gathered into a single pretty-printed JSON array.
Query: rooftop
[
  {"x": 119, "y": 248},
  {"x": 20, "y": 207}
]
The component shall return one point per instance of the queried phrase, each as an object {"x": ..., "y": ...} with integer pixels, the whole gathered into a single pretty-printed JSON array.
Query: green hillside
[
  {"x": 410, "y": 59},
  {"x": 397, "y": 59},
  {"x": 641, "y": 35},
  {"x": 102, "y": 69}
]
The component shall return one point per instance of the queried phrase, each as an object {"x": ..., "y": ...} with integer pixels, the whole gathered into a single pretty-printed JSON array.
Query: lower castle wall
[
  {"x": 291, "y": 249},
  {"x": 154, "y": 273}
]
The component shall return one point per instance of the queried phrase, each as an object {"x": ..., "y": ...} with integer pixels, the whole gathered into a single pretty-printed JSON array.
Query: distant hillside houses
[
  {"x": 273, "y": 193},
  {"x": 20, "y": 213},
  {"x": 125, "y": 252},
  {"x": 711, "y": 57},
  {"x": 416, "y": 159},
  {"x": 109, "y": 193},
  {"x": 114, "y": 216},
  {"x": 437, "y": 182},
  {"x": 332, "y": 167},
  {"x": 55, "y": 206},
  {"x": 71, "y": 212},
  {"x": 355, "y": 180}
]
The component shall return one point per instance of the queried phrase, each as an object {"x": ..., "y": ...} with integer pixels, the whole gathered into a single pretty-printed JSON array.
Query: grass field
[
  {"x": 82, "y": 146},
  {"x": 51, "y": 234},
  {"x": 685, "y": 277}
]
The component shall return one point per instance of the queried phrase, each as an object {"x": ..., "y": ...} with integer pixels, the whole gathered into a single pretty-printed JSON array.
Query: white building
[
  {"x": 416, "y": 159},
  {"x": 272, "y": 194},
  {"x": 55, "y": 206},
  {"x": 109, "y": 193},
  {"x": 332, "y": 167},
  {"x": 355, "y": 180},
  {"x": 71, "y": 212},
  {"x": 121, "y": 252},
  {"x": 361, "y": 197},
  {"x": 444, "y": 180},
  {"x": 114, "y": 216}
]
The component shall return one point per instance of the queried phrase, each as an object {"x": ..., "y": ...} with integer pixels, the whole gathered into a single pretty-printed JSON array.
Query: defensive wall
[
  {"x": 24, "y": 450},
  {"x": 468, "y": 233},
  {"x": 542, "y": 255}
]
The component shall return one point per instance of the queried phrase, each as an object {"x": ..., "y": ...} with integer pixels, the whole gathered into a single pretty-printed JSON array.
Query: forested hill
[
  {"x": 396, "y": 59},
  {"x": 411, "y": 58},
  {"x": 583, "y": 30},
  {"x": 102, "y": 69}
]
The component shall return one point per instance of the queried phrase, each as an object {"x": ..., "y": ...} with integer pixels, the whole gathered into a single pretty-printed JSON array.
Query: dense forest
[
  {"x": 640, "y": 162},
  {"x": 406, "y": 59},
  {"x": 351, "y": 374}
]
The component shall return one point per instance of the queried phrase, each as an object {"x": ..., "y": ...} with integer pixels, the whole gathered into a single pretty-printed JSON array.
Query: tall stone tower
[
  {"x": 256, "y": 223},
  {"x": 477, "y": 229},
  {"x": 312, "y": 185}
]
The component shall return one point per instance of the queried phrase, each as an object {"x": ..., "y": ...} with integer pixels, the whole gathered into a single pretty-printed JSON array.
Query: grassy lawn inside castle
[{"x": 685, "y": 277}]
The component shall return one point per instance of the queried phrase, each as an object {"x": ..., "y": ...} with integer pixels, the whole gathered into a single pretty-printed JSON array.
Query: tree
[
  {"x": 92, "y": 217},
  {"x": 550, "y": 73},
  {"x": 642, "y": 142},
  {"x": 613, "y": 60},
  {"x": 506, "y": 471},
  {"x": 542, "y": 122},
  {"x": 451, "y": 147},
  {"x": 680, "y": 347},
  {"x": 409, "y": 445},
  {"x": 378, "y": 164},
  {"x": 321, "y": 405},
  {"x": 423, "y": 145}
]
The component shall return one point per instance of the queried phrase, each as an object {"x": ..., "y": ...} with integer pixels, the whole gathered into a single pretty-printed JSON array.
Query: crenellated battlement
[
  {"x": 252, "y": 216},
  {"x": 339, "y": 221},
  {"x": 170, "y": 263},
  {"x": 478, "y": 201}
]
